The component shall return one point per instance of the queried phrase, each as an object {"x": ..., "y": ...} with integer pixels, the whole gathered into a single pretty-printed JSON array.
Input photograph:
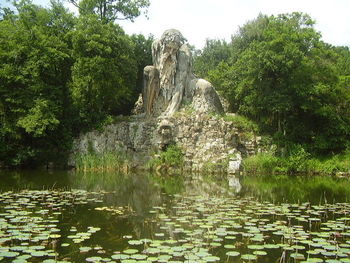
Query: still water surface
[{"x": 110, "y": 217}]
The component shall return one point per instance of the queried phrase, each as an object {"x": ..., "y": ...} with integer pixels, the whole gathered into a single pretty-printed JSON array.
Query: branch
[{"x": 75, "y": 3}]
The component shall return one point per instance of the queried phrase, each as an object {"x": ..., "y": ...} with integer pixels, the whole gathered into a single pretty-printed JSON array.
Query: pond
[{"x": 110, "y": 217}]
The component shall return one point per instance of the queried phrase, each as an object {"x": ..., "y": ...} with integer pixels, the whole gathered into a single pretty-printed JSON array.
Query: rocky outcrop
[
  {"x": 175, "y": 108},
  {"x": 207, "y": 142}
]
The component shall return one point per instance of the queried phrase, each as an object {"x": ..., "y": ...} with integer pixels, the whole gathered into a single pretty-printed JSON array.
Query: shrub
[
  {"x": 297, "y": 160},
  {"x": 330, "y": 165},
  {"x": 262, "y": 163},
  {"x": 242, "y": 123},
  {"x": 171, "y": 157}
]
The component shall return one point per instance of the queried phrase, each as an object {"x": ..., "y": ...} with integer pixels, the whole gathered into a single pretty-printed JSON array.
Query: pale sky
[{"x": 219, "y": 19}]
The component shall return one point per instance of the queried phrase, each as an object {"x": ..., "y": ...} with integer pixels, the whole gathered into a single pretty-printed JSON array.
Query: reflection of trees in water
[
  {"x": 134, "y": 190},
  {"x": 314, "y": 189},
  {"x": 33, "y": 179}
]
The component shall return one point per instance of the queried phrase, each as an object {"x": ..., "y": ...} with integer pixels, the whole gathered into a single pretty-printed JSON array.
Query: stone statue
[
  {"x": 170, "y": 82},
  {"x": 169, "y": 86}
]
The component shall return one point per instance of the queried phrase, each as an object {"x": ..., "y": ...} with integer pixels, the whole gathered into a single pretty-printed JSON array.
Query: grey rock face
[
  {"x": 206, "y": 141},
  {"x": 205, "y": 99}
]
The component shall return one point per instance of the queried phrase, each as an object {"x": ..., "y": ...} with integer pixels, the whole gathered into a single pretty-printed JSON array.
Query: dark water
[{"x": 204, "y": 217}]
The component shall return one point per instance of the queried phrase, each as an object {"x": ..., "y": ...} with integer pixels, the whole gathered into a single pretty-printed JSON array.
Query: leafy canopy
[
  {"x": 60, "y": 75},
  {"x": 280, "y": 74},
  {"x": 104, "y": 73},
  {"x": 112, "y": 10}
]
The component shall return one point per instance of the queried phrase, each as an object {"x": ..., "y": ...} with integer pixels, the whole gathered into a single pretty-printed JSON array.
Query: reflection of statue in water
[
  {"x": 234, "y": 184},
  {"x": 170, "y": 81}
]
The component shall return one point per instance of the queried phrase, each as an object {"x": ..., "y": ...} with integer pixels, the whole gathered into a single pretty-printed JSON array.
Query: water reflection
[
  {"x": 209, "y": 207},
  {"x": 144, "y": 190},
  {"x": 137, "y": 191},
  {"x": 33, "y": 179},
  {"x": 234, "y": 184},
  {"x": 313, "y": 189}
]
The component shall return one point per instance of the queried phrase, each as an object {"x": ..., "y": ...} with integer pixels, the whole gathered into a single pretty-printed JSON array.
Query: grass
[
  {"x": 297, "y": 162},
  {"x": 331, "y": 165},
  {"x": 215, "y": 167},
  {"x": 110, "y": 161}
]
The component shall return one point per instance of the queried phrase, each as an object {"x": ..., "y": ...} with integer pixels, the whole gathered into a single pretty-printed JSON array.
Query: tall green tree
[
  {"x": 34, "y": 71},
  {"x": 61, "y": 75},
  {"x": 214, "y": 52},
  {"x": 343, "y": 66},
  {"x": 284, "y": 77},
  {"x": 104, "y": 73},
  {"x": 143, "y": 56}
]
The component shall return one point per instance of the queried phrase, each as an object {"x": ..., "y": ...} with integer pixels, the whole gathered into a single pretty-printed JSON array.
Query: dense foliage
[
  {"x": 279, "y": 73},
  {"x": 60, "y": 75}
]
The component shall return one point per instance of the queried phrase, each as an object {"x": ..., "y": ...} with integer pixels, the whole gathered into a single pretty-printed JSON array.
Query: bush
[
  {"x": 171, "y": 157},
  {"x": 297, "y": 160},
  {"x": 242, "y": 123},
  {"x": 330, "y": 165},
  {"x": 262, "y": 163}
]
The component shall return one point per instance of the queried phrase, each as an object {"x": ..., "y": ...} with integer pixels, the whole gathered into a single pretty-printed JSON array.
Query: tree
[
  {"x": 61, "y": 75},
  {"x": 143, "y": 56},
  {"x": 111, "y": 10},
  {"x": 34, "y": 72},
  {"x": 283, "y": 76},
  {"x": 343, "y": 66},
  {"x": 214, "y": 52},
  {"x": 104, "y": 72},
  {"x": 343, "y": 62}
]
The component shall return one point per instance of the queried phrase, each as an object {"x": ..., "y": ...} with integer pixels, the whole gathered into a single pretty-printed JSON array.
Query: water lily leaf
[
  {"x": 297, "y": 256},
  {"x": 260, "y": 253},
  {"x": 39, "y": 253},
  {"x": 120, "y": 256},
  {"x": 249, "y": 257},
  {"x": 135, "y": 242},
  {"x": 130, "y": 251},
  {"x": 94, "y": 259},
  {"x": 85, "y": 249},
  {"x": 232, "y": 253},
  {"x": 211, "y": 259}
]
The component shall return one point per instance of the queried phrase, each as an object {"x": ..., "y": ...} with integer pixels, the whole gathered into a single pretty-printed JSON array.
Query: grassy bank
[
  {"x": 110, "y": 161},
  {"x": 298, "y": 162}
]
